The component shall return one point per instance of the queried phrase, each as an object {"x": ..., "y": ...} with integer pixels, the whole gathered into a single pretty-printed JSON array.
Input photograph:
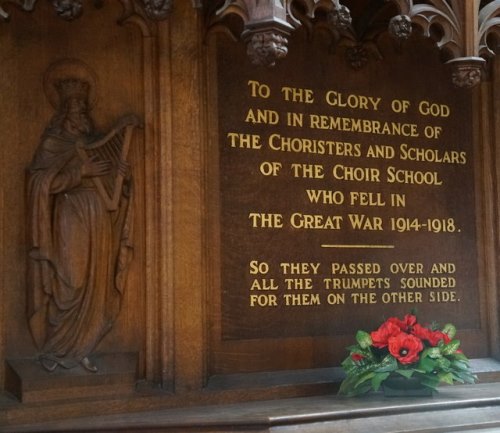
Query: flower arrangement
[{"x": 404, "y": 348}]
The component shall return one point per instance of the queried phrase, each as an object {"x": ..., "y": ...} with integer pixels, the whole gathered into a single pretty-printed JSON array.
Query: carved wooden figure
[{"x": 80, "y": 223}]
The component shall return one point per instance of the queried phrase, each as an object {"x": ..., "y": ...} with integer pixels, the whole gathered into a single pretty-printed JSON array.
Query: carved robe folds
[{"x": 79, "y": 255}]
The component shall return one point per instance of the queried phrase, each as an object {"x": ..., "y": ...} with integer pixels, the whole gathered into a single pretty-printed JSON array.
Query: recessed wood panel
[{"x": 345, "y": 197}]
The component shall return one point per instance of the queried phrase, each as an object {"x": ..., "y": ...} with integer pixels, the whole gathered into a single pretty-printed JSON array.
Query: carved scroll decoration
[
  {"x": 467, "y": 66},
  {"x": 489, "y": 25},
  {"x": 26, "y": 5},
  {"x": 440, "y": 13}
]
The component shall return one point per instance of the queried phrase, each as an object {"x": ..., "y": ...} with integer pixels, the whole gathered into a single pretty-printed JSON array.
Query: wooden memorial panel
[{"x": 344, "y": 197}]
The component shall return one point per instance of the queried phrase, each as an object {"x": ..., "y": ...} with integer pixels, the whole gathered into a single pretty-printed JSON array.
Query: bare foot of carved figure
[{"x": 88, "y": 365}]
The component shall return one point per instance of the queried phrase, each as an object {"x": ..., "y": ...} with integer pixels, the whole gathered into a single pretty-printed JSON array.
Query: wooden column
[{"x": 189, "y": 278}]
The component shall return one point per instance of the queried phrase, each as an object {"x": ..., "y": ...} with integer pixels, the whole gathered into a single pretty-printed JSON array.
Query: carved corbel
[
  {"x": 266, "y": 27},
  {"x": 466, "y": 71}
]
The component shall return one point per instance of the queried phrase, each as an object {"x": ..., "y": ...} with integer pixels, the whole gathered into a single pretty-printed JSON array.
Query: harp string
[{"x": 110, "y": 151}]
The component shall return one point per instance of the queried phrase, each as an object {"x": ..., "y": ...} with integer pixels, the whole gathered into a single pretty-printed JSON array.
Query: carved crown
[{"x": 72, "y": 88}]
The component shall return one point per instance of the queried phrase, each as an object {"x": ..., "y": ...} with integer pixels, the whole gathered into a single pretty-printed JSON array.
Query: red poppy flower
[
  {"x": 380, "y": 337},
  {"x": 436, "y": 336},
  {"x": 405, "y": 347},
  {"x": 406, "y": 324},
  {"x": 421, "y": 332},
  {"x": 357, "y": 357}
]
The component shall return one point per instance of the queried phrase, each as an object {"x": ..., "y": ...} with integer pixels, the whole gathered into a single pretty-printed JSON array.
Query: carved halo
[{"x": 69, "y": 68}]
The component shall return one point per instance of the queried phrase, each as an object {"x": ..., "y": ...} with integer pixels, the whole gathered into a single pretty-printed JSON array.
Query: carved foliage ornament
[
  {"x": 68, "y": 9},
  {"x": 157, "y": 9},
  {"x": 268, "y": 23},
  {"x": 72, "y": 9},
  {"x": 265, "y": 48}
]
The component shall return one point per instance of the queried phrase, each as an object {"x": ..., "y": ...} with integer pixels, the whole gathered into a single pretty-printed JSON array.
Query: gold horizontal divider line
[{"x": 357, "y": 246}]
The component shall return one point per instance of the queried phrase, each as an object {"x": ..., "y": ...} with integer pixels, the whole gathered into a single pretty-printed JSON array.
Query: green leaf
[
  {"x": 387, "y": 364},
  {"x": 364, "y": 377},
  {"x": 451, "y": 347},
  {"x": 460, "y": 356},
  {"x": 431, "y": 352},
  {"x": 449, "y": 330},
  {"x": 446, "y": 378},
  {"x": 427, "y": 364},
  {"x": 443, "y": 363},
  {"x": 405, "y": 373},
  {"x": 378, "y": 379},
  {"x": 364, "y": 339},
  {"x": 430, "y": 381},
  {"x": 460, "y": 365}
]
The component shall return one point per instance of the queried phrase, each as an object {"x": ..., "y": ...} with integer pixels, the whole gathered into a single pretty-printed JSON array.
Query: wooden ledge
[{"x": 458, "y": 408}]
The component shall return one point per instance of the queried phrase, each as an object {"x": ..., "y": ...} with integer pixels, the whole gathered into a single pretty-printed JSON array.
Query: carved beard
[{"x": 79, "y": 123}]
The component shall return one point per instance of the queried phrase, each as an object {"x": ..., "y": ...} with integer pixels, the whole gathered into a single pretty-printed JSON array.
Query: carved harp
[{"x": 113, "y": 147}]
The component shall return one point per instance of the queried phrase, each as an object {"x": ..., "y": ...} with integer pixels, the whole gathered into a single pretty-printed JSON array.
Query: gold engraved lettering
[
  {"x": 401, "y": 297},
  {"x": 263, "y": 300},
  {"x": 426, "y": 108},
  {"x": 413, "y": 177},
  {"x": 364, "y": 298},
  {"x": 325, "y": 196},
  {"x": 264, "y": 284},
  {"x": 358, "y": 198},
  {"x": 280, "y": 143},
  {"x": 244, "y": 141},
  {"x": 360, "y": 102},
  {"x": 443, "y": 296},
  {"x": 311, "y": 171},
  {"x": 335, "y": 298},
  {"x": 356, "y": 174},
  {"x": 443, "y": 268},
  {"x": 358, "y": 283},
  {"x": 428, "y": 283},
  {"x": 355, "y": 268},
  {"x": 316, "y": 222},
  {"x": 295, "y": 94},
  {"x": 380, "y": 151},
  {"x": 294, "y": 268},
  {"x": 406, "y": 268},
  {"x": 366, "y": 223},
  {"x": 298, "y": 283},
  {"x": 258, "y": 90},
  {"x": 348, "y": 124},
  {"x": 268, "y": 117},
  {"x": 299, "y": 299},
  {"x": 410, "y": 153},
  {"x": 266, "y": 220}
]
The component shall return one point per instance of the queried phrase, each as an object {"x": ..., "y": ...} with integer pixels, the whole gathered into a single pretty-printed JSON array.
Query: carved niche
[{"x": 79, "y": 222}]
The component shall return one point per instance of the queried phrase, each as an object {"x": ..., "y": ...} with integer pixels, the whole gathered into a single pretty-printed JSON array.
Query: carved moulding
[
  {"x": 72, "y": 9},
  {"x": 467, "y": 64},
  {"x": 267, "y": 24}
]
